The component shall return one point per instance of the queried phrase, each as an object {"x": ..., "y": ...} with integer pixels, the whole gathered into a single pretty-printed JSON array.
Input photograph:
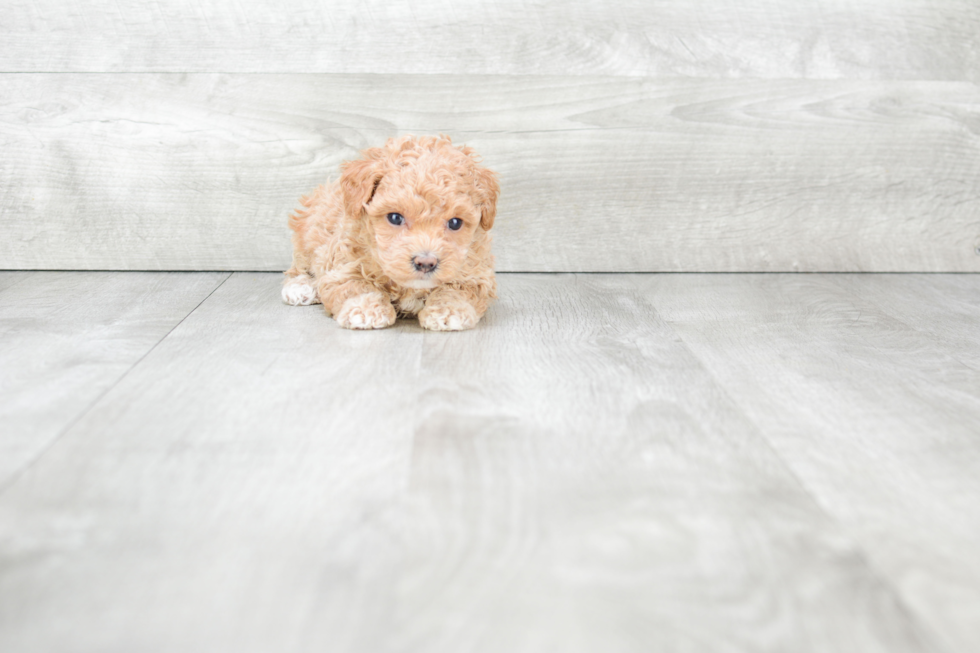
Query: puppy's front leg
[
  {"x": 451, "y": 309},
  {"x": 357, "y": 304}
]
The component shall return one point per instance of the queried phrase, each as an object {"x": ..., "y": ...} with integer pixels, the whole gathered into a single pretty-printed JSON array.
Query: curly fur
[{"x": 347, "y": 256}]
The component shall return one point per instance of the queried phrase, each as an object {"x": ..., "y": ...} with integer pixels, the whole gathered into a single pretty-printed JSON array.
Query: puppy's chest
[{"x": 410, "y": 302}]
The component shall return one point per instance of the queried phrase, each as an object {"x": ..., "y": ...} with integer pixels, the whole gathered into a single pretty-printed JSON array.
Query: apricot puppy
[{"x": 404, "y": 231}]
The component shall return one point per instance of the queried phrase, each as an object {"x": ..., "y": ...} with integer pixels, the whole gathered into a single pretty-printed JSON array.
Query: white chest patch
[{"x": 410, "y": 305}]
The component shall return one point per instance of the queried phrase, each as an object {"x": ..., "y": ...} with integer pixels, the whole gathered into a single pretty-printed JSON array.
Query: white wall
[{"x": 643, "y": 136}]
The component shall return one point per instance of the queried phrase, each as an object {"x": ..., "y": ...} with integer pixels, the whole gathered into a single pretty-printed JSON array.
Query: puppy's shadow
[{"x": 407, "y": 324}]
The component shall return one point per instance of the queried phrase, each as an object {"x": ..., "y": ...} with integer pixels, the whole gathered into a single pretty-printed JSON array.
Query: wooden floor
[{"x": 607, "y": 463}]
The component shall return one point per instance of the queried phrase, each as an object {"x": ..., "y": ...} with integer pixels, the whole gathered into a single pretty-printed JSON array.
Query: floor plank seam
[
  {"x": 14, "y": 477},
  {"x": 859, "y": 549}
]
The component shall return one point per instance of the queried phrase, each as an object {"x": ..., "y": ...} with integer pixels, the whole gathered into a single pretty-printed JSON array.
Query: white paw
[
  {"x": 299, "y": 293},
  {"x": 449, "y": 318},
  {"x": 368, "y": 311}
]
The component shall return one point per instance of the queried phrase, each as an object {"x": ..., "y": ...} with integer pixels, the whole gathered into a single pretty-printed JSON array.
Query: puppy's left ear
[
  {"x": 488, "y": 190},
  {"x": 359, "y": 179}
]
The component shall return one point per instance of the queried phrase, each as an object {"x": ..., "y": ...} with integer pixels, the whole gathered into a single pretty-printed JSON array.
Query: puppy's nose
[{"x": 425, "y": 262}]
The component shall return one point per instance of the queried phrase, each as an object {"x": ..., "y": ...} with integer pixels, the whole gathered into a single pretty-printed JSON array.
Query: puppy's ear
[
  {"x": 488, "y": 189},
  {"x": 359, "y": 179}
]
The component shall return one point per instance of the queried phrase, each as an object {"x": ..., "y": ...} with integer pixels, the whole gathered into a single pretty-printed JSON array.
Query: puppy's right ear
[{"x": 359, "y": 179}]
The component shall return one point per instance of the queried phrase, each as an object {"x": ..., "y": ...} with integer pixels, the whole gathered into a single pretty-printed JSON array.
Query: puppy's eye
[
  {"x": 455, "y": 224},
  {"x": 396, "y": 219}
]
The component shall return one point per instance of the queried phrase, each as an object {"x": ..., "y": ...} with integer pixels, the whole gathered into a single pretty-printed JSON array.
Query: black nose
[{"x": 425, "y": 262}]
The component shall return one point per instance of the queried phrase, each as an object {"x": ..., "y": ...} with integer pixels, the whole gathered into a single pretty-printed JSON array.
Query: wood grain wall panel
[
  {"x": 198, "y": 171},
  {"x": 819, "y": 39}
]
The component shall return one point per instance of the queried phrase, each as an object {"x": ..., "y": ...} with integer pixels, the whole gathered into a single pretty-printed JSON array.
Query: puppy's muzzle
[{"x": 425, "y": 263}]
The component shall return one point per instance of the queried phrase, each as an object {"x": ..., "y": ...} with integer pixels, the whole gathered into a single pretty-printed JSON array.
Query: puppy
[{"x": 404, "y": 231}]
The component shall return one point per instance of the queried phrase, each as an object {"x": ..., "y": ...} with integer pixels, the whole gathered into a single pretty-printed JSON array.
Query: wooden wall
[{"x": 640, "y": 136}]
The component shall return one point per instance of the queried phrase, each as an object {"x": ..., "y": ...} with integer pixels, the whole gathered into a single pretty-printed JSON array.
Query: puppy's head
[{"x": 425, "y": 201}]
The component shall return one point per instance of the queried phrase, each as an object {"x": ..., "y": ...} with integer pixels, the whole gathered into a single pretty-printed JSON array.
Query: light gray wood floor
[{"x": 607, "y": 463}]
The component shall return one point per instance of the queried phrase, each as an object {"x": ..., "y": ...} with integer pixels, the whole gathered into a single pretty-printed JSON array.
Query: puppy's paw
[
  {"x": 368, "y": 311},
  {"x": 457, "y": 317},
  {"x": 299, "y": 291}
]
